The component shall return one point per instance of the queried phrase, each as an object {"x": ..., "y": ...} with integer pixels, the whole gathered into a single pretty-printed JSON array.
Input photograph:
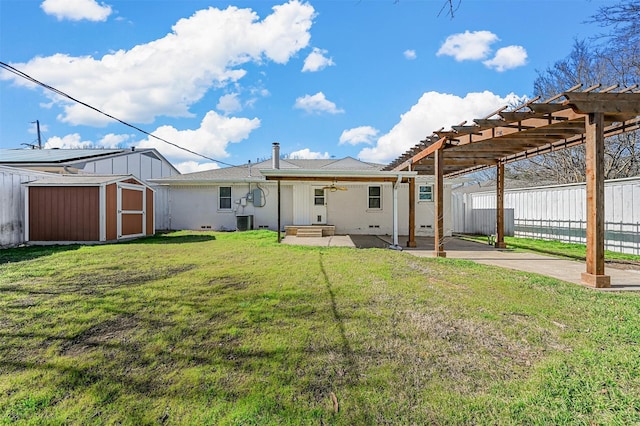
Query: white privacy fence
[{"x": 559, "y": 213}]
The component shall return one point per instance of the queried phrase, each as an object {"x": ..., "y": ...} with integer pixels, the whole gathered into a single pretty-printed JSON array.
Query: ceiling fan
[{"x": 333, "y": 187}]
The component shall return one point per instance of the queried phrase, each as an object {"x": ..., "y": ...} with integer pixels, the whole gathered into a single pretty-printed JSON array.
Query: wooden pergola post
[
  {"x": 439, "y": 204},
  {"x": 500, "y": 206},
  {"x": 594, "y": 128},
  {"x": 411, "y": 242}
]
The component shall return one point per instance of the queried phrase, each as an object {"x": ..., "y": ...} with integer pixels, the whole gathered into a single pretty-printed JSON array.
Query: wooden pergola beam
[
  {"x": 586, "y": 103},
  {"x": 336, "y": 178}
]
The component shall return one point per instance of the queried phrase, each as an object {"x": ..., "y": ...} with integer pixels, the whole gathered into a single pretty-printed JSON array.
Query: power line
[{"x": 65, "y": 95}]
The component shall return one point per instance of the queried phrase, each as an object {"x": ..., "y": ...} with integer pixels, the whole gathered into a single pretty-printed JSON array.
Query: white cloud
[
  {"x": 410, "y": 54},
  {"x": 307, "y": 154},
  {"x": 362, "y": 134},
  {"x": 229, "y": 103},
  {"x": 72, "y": 141},
  {"x": 113, "y": 141},
  {"x": 76, "y": 10},
  {"x": 317, "y": 103},
  {"x": 194, "y": 166},
  {"x": 206, "y": 51},
  {"x": 433, "y": 111},
  {"x": 468, "y": 45},
  {"x": 210, "y": 139},
  {"x": 507, "y": 58},
  {"x": 317, "y": 61}
]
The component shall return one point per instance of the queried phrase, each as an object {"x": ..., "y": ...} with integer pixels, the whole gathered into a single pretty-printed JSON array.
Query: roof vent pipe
[{"x": 275, "y": 156}]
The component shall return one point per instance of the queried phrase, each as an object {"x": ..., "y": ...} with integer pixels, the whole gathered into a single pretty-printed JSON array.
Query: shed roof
[{"x": 81, "y": 180}]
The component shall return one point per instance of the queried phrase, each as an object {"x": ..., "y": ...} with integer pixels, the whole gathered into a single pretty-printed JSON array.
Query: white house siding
[
  {"x": 559, "y": 212},
  {"x": 195, "y": 207},
  {"x": 348, "y": 211},
  {"x": 12, "y": 205}
]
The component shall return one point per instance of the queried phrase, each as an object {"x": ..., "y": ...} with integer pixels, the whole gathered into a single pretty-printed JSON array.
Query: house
[
  {"x": 146, "y": 163},
  {"x": 346, "y": 196}
]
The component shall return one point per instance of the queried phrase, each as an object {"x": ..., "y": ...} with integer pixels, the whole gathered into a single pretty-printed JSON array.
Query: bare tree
[
  {"x": 451, "y": 6},
  {"x": 611, "y": 58}
]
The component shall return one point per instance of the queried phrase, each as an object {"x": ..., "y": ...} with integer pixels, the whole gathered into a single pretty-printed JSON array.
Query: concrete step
[{"x": 309, "y": 232}]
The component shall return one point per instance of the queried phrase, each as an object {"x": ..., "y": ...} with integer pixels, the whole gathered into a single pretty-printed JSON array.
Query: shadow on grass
[
  {"x": 21, "y": 254},
  {"x": 168, "y": 238},
  {"x": 347, "y": 351}
]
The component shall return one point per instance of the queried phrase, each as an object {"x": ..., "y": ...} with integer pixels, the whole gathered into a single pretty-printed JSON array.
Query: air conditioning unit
[{"x": 244, "y": 223}]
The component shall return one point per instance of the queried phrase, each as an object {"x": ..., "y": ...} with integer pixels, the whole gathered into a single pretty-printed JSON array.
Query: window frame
[
  {"x": 225, "y": 197},
  {"x": 374, "y": 197},
  {"x": 317, "y": 197},
  {"x": 428, "y": 193}
]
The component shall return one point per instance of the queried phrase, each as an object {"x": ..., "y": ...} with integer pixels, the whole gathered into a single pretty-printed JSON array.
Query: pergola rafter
[{"x": 570, "y": 118}]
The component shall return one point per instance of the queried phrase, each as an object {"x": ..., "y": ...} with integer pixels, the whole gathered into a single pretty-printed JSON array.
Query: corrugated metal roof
[{"x": 8, "y": 156}]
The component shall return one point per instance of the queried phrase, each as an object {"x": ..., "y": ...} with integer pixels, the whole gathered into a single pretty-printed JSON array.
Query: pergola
[{"x": 570, "y": 118}]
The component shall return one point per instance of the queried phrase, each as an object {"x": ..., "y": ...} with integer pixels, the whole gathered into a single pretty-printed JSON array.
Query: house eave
[
  {"x": 211, "y": 181},
  {"x": 338, "y": 175}
]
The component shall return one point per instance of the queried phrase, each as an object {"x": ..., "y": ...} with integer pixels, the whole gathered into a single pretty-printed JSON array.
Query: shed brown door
[{"x": 131, "y": 210}]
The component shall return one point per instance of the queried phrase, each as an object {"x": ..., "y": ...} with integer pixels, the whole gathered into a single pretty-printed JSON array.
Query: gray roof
[{"x": 251, "y": 172}]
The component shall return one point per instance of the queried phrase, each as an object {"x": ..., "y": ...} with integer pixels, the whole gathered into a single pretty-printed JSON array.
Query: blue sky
[{"x": 225, "y": 79}]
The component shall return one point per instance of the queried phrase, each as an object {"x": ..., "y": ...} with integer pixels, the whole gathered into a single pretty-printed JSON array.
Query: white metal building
[{"x": 145, "y": 163}]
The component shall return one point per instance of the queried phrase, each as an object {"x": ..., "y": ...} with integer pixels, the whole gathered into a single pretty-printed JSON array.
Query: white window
[
  {"x": 224, "y": 198},
  {"x": 375, "y": 197},
  {"x": 425, "y": 193},
  {"x": 318, "y": 197}
]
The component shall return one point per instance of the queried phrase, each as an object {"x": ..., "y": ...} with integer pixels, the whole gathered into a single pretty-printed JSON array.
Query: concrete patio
[{"x": 623, "y": 277}]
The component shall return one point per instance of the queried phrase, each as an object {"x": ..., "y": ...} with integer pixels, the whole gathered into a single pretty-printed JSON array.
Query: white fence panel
[{"x": 559, "y": 212}]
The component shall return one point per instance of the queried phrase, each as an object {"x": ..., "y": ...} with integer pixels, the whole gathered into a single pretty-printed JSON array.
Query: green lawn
[
  {"x": 557, "y": 248},
  {"x": 232, "y": 328}
]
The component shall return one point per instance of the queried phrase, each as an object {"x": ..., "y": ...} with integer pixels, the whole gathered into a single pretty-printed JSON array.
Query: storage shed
[{"x": 88, "y": 208}]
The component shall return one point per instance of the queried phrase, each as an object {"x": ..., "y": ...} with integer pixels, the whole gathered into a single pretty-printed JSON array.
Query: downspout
[
  {"x": 275, "y": 164},
  {"x": 395, "y": 245}
]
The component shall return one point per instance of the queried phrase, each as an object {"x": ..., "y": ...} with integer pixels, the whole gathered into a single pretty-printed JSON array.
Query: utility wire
[{"x": 63, "y": 94}]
